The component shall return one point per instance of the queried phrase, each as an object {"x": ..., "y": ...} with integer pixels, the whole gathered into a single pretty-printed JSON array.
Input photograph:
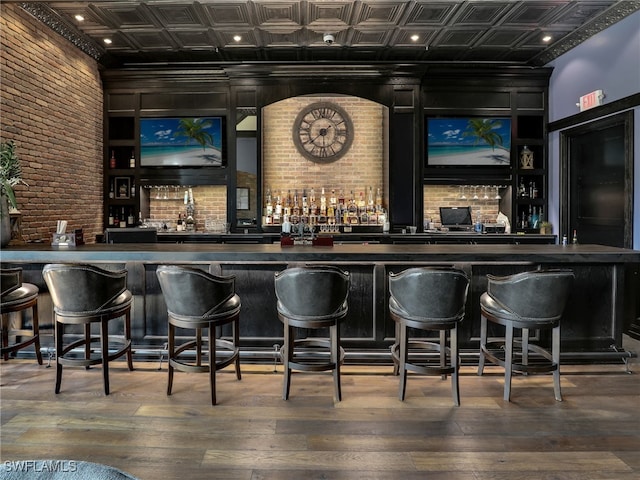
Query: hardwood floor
[{"x": 252, "y": 434}]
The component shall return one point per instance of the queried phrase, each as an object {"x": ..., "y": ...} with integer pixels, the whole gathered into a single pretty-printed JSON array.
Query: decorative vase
[{"x": 5, "y": 225}]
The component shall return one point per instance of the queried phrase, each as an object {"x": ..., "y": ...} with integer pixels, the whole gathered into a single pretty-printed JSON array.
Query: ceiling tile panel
[
  {"x": 431, "y": 13},
  {"x": 481, "y": 13},
  {"x": 223, "y": 13},
  {"x": 278, "y": 13}
]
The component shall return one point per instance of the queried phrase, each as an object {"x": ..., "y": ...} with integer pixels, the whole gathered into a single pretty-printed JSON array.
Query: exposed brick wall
[
  {"x": 51, "y": 106},
  {"x": 362, "y": 167}
]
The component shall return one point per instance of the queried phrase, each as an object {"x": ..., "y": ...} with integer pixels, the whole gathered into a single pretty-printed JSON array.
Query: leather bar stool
[
  {"x": 313, "y": 298},
  {"x": 195, "y": 300},
  {"x": 17, "y": 296},
  {"x": 83, "y": 295},
  {"x": 526, "y": 301},
  {"x": 427, "y": 299}
]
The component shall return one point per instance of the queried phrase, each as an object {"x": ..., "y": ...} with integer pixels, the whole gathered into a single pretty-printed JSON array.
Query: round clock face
[{"x": 323, "y": 132}]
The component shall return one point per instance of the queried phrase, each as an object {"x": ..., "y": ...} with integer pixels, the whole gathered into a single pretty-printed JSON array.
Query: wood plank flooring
[{"x": 594, "y": 434}]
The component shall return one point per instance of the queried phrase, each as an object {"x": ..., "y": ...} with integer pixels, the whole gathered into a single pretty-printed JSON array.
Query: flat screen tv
[
  {"x": 468, "y": 141},
  {"x": 456, "y": 218},
  {"x": 182, "y": 142}
]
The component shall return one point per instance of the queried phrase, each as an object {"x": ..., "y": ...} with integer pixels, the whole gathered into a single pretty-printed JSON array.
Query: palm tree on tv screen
[
  {"x": 195, "y": 129},
  {"x": 484, "y": 129}
]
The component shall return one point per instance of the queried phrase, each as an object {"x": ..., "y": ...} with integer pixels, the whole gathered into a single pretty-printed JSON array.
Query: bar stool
[
  {"x": 195, "y": 300},
  {"x": 83, "y": 295},
  {"x": 17, "y": 296},
  {"x": 313, "y": 298},
  {"x": 427, "y": 299},
  {"x": 527, "y": 300}
]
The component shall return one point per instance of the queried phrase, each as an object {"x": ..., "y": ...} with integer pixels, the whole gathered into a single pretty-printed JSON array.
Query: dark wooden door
[{"x": 597, "y": 185}]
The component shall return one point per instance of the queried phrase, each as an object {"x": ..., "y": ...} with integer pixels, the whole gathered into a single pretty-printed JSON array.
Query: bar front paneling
[{"x": 592, "y": 326}]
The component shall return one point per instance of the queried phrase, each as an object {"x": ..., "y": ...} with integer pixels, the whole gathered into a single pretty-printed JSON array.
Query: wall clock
[{"x": 322, "y": 132}]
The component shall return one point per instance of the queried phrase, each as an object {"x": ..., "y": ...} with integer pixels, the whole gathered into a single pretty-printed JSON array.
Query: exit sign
[{"x": 590, "y": 100}]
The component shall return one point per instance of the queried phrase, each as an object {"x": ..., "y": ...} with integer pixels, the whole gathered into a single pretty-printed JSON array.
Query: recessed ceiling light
[
  {"x": 546, "y": 38},
  {"x": 237, "y": 38},
  {"x": 108, "y": 41},
  {"x": 79, "y": 18},
  {"x": 415, "y": 38}
]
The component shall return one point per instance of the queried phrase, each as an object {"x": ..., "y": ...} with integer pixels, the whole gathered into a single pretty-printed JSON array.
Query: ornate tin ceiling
[{"x": 365, "y": 31}]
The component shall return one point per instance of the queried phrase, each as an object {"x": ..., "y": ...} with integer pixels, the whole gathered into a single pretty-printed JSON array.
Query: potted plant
[{"x": 10, "y": 176}]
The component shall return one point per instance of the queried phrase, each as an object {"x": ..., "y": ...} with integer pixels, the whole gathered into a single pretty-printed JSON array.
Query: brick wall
[
  {"x": 285, "y": 169},
  {"x": 51, "y": 106}
]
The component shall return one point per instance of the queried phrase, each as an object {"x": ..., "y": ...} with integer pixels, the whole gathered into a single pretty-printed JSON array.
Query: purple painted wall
[{"x": 608, "y": 61}]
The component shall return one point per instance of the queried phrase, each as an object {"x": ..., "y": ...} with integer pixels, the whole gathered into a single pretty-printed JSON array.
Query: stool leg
[
  {"x": 443, "y": 352},
  {"x": 199, "y": 346},
  {"x": 235, "y": 326},
  {"x": 334, "y": 332},
  {"x": 127, "y": 338},
  {"x": 483, "y": 343},
  {"x": 508, "y": 360},
  {"x": 397, "y": 342},
  {"x": 87, "y": 343},
  {"x": 36, "y": 332},
  {"x": 212, "y": 362},
  {"x": 59, "y": 333},
  {"x": 104, "y": 340},
  {"x": 170, "y": 349},
  {"x": 5, "y": 335},
  {"x": 455, "y": 384},
  {"x": 555, "y": 355},
  {"x": 525, "y": 348},
  {"x": 287, "y": 357},
  {"x": 404, "y": 357}
]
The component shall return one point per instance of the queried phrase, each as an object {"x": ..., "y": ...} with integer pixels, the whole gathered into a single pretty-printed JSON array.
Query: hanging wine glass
[
  {"x": 462, "y": 193},
  {"x": 498, "y": 197},
  {"x": 475, "y": 192},
  {"x": 486, "y": 193}
]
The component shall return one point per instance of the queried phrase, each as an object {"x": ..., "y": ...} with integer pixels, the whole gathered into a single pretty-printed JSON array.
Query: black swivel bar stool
[
  {"x": 428, "y": 299},
  {"x": 312, "y": 297},
  {"x": 195, "y": 300},
  {"x": 526, "y": 301},
  {"x": 83, "y": 295},
  {"x": 17, "y": 296}
]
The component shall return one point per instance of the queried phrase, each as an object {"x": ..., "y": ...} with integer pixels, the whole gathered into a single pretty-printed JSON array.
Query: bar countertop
[{"x": 366, "y": 253}]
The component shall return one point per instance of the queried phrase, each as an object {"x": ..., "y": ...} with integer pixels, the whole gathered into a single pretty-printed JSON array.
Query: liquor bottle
[
  {"x": 333, "y": 201},
  {"x": 112, "y": 193},
  {"x": 323, "y": 203},
  {"x": 110, "y": 217},
  {"x": 132, "y": 160},
  {"x": 112, "y": 160},
  {"x": 341, "y": 201},
  {"x": 123, "y": 219},
  {"x": 133, "y": 189},
  {"x": 370, "y": 199},
  {"x": 296, "y": 205},
  {"x": 378, "y": 198},
  {"x": 116, "y": 220},
  {"x": 574, "y": 240},
  {"x": 130, "y": 218},
  {"x": 179, "y": 223}
]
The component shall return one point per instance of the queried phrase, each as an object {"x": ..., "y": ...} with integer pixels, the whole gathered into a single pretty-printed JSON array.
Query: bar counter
[{"x": 602, "y": 300}]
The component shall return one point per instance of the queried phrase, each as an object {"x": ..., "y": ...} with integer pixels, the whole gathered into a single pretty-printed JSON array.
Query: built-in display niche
[
  {"x": 178, "y": 208},
  {"x": 246, "y": 168},
  {"x": 325, "y": 163},
  {"x": 489, "y": 203}
]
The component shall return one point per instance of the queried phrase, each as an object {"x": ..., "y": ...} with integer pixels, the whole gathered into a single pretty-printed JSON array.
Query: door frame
[{"x": 625, "y": 119}]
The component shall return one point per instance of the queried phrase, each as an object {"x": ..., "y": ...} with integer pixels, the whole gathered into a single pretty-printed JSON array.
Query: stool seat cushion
[
  {"x": 24, "y": 293},
  {"x": 226, "y": 309}
]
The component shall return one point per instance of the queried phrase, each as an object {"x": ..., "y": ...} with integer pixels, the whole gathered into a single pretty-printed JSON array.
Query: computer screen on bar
[{"x": 456, "y": 218}]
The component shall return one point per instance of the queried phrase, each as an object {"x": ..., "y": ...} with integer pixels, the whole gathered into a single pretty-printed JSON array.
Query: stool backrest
[
  {"x": 429, "y": 293},
  {"x": 311, "y": 291},
  {"x": 192, "y": 292},
  {"x": 539, "y": 295},
  {"x": 10, "y": 280},
  {"x": 83, "y": 288}
]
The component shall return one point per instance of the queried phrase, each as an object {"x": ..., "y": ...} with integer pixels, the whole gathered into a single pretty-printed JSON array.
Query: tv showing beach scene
[
  {"x": 469, "y": 141},
  {"x": 181, "y": 142}
]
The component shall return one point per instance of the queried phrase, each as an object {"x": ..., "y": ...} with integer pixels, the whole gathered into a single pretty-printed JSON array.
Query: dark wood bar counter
[{"x": 602, "y": 297}]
